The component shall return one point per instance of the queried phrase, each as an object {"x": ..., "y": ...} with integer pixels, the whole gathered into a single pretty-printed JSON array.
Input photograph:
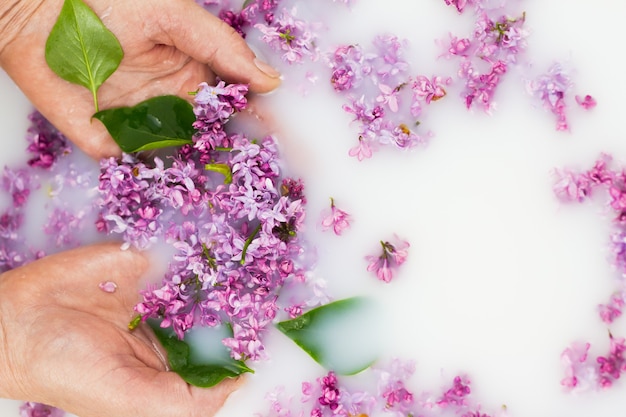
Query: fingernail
[{"x": 266, "y": 68}]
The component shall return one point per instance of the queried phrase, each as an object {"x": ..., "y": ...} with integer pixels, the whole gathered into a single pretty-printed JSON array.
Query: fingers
[{"x": 208, "y": 39}]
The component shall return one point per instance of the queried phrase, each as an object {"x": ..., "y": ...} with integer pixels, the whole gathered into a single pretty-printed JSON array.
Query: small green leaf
[
  {"x": 158, "y": 122},
  {"x": 335, "y": 336},
  {"x": 223, "y": 169},
  {"x": 80, "y": 49},
  {"x": 198, "y": 374}
]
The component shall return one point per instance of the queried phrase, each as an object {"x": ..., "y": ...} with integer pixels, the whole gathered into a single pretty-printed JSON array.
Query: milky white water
[{"x": 500, "y": 277}]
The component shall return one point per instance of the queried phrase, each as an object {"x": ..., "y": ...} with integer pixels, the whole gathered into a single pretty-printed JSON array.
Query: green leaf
[
  {"x": 223, "y": 169},
  {"x": 158, "y": 122},
  {"x": 80, "y": 49},
  {"x": 336, "y": 335},
  {"x": 202, "y": 375}
]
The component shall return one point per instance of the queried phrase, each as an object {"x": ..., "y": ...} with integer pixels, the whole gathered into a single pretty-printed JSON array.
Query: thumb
[{"x": 208, "y": 39}]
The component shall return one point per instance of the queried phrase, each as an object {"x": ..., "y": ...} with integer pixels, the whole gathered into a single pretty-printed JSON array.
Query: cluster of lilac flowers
[
  {"x": 486, "y": 56},
  {"x": 572, "y": 186},
  {"x": 279, "y": 27},
  {"x": 384, "y": 99},
  {"x": 48, "y": 171},
  {"x": 229, "y": 214},
  {"x": 387, "y": 392}
]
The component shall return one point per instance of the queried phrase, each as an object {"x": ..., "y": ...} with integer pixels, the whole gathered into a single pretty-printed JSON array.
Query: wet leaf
[
  {"x": 203, "y": 375},
  {"x": 158, "y": 122},
  {"x": 333, "y": 334},
  {"x": 80, "y": 49}
]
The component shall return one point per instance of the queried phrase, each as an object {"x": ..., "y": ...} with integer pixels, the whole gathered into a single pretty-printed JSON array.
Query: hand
[
  {"x": 170, "y": 46},
  {"x": 65, "y": 342}
]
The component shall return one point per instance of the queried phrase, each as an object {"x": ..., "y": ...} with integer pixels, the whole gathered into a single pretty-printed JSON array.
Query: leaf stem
[
  {"x": 248, "y": 242},
  {"x": 223, "y": 169}
]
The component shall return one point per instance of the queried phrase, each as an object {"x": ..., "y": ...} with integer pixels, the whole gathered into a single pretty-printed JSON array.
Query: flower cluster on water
[
  {"x": 229, "y": 213},
  {"x": 385, "y": 100},
  {"x": 48, "y": 170},
  {"x": 385, "y": 389},
  {"x": 605, "y": 181}
]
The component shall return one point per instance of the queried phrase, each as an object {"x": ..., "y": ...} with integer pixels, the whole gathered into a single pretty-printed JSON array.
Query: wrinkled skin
[
  {"x": 170, "y": 46},
  {"x": 65, "y": 342}
]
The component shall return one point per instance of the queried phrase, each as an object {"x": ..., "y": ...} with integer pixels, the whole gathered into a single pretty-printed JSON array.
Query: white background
[{"x": 500, "y": 276}]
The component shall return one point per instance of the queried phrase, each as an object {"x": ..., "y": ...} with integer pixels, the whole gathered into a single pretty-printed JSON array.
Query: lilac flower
[
  {"x": 551, "y": 89},
  {"x": 570, "y": 186},
  {"x": 46, "y": 143},
  {"x": 32, "y": 409},
  {"x": 613, "y": 309},
  {"x": 481, "y": 88},
  {"x": 18, "y": 184},
  {"x": 586, "y": 102},
  {"x": 335, "y": 218},
  {"x": 128, "y": 198},
  {"x": 260, "y": 10},
  {"x": 64, "y": 225},
  {"x": 392, "y": 386},
  {"x": 457, "y": 394},
  {"x": 430, "y": 89},
  {"x": 294, "y": 38},
  {"x": 496, "y": 43},
  {"x": 388, "y": 96},
  {"x": 618, "y": 246},
  {"x": 330, "y": 396},
  {"x": 233, "y": 225},
  {"x": 362, "y": 150},
  {"x": 393, "y": 255},
  {"x": 108, "y": 286},
  {"x": 218, "y": 103},
  {"x": 237, "y": 21},
  {"x": 612, "y": 365},
  {"x": 373, "y": 83},
  {"x": 582, "y": 374},
  {"x": 388, "y": 62},
  {"x": 348, "y": 67},
  {"x": 460, "y": 4}
]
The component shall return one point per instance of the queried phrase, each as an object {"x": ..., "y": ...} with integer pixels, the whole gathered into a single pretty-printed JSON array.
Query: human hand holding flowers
[
  {"x": 169, "y": 48},
  {"x": 64, "y": 341}
]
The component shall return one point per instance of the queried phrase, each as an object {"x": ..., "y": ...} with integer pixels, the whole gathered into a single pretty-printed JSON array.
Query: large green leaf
[
  {"x": 339, "y": 336},
  {"x": 80, "y": 49},
  {"x": 181, "y": 360},
  {"x": 158, "y": 122}
]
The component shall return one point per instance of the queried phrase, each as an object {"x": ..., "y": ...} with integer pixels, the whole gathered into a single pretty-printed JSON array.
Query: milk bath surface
[{"x": 501, "y": 276}]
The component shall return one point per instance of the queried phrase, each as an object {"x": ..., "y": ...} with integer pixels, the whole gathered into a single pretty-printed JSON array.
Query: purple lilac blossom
[
  {"x": 384, "y": 389},
  {"x": 386, "y": 264},
  {"x": 377, "y": 87},
  {"x": 587, "y": 102},
  {"x": 580, "y": 372},
  {"x": 19, "y": 184},
  {"x": 45, "y": 142},
  {"x": 230, "y": 216},
  {"x": 551, "y": 89},
  {"x": 32, "y": 409},
  {"x": 335, "y": 218},
  {"x": 295, "y": 39},
  {"x": 486, "y": 56}
]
